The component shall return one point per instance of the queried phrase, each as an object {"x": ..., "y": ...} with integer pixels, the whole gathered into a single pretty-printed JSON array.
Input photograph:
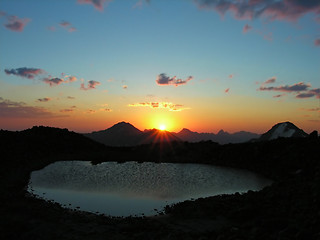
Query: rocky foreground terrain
[{"x": 288, "y": 209}]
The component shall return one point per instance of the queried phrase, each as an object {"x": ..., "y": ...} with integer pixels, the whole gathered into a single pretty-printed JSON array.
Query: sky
[{"x": 204, "y": 65}]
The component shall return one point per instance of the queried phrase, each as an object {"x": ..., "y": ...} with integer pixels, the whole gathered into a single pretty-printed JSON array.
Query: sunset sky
[{"x": 204, "y": 65}]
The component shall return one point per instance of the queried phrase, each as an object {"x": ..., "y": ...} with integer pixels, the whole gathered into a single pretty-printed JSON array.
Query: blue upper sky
[{"x": 213, "y": 55}]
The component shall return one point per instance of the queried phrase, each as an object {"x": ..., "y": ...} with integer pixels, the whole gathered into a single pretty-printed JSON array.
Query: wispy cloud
[
  {"x": 317, "y": 42},
  {"x": 25, "y": 72},
  {"x": 163, "y": 79},
  {"x": 157, "y": 105},
  {"x": 46, "y": 99},
  {"x": 125, "y": 86},
  {"x": 12, "y": 109},
  {"x": 279, "y": 95},
  {"x": 227, "y": 90},
  {"x": 67, "y": 110},
  {"x": 98, "y": 4},
  {"x": 301, "y": 89},
  {"x": 14, "y": 23},
  {"x": 298, "y": 87},
  {"x": 91, "y": 85},
  {"x": 270, "y": 9},
  {"x": 67, "y": 25}
]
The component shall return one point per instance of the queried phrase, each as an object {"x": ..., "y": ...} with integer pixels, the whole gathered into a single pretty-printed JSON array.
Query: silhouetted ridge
[{"x": 45, "y": 142}]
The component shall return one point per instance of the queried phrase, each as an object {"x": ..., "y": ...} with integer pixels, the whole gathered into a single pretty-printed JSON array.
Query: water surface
[{"x": 136, "y": 188}]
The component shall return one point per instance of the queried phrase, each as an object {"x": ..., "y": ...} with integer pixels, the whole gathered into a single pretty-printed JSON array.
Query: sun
[{"x": 162, "y": 127}]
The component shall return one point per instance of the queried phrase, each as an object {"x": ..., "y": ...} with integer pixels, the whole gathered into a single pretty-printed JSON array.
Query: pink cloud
[
  {"x": 69, "y": 79},
  {"x": 288, "y": 10},
  {"x": 271, "y": 80},
  {"x": 317, "y": 42},
  {"x": 16, "y": 24},
  {"x": 67, "y": 26},
  {"x": 301, "y": 86},
  {"x": 98, "y": 4},
  {"x": 51, "y": 28},
  {"x": 246, "y": 28},
  {"x": 163, "y": 79},
  {"x": 53, "y": 81},
  {"x": 91, "y": 85},
  {"x": 227, "y": 90},
  {"x": 25, "y": 72}
]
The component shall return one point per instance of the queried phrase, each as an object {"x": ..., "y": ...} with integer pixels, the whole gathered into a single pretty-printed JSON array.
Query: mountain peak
[
  {"x": 185, "y": 130},
  {"x": 283, "y": 129}
]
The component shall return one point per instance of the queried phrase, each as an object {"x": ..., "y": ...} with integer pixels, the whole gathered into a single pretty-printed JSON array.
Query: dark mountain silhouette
[
  {"x": 221, "y": 137},
  {"x": 284, "y": 129},
  {"x": 125, "y": 134},
  {"x": 41, "y": 142},
  {"x": 120, "y": 134}
]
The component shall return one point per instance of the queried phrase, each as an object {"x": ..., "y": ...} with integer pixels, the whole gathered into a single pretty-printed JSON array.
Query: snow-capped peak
[{"x": 282, "y": 131}]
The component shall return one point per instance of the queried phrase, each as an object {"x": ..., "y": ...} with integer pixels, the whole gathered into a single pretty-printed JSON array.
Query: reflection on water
[{"x": 136, "y": 188}]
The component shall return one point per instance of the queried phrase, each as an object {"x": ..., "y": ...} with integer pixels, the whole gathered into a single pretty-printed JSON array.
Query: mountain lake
[{"x": 136, "y": 189}]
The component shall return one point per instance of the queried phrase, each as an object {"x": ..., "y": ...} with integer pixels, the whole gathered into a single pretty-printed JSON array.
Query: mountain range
[{"x": 125, "y": 134}]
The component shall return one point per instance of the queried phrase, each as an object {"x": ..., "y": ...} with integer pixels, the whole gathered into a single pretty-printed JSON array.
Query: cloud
[
  {"x": 317, "y": 42},
  {"x": 163, "y": 79},
  {"x": 53, "y": 81},
  {"x": 67, "y": 110},
  {"x": 311, "y": 93},
  {"x": 91, "y": 85},
  {"x": 301, "y": 86},
  {"x": 269, "y": 81},
  {"x": 16, "y": 24},
  {"x": 70, "y": 97},
  {"x": 11, "y": 109},
  {"x": 231, "y": 75},
  {"x": 67, "y": 26},
  {"x": 90, "y": 111},
  {"x": 305, "y": 95},
  {"x": 246, "y": 28},
  {"x": 69, "y": 79},
  {"x": 51, "y": 28},
  {"x": 98, "y": 4},
  {"x": 301, "y": 89},
  {"x": 140, "y": 3},
  {"x": 279, "y": 95},
  {"x": 46, "y": 99},
  {"x": 157, "y": 105},
  {"x": 288, "y": 10},
  {"x": 125, "y": 87},
  {"x": 25, "y": 72},
  {"x": 227, "y": 90}
]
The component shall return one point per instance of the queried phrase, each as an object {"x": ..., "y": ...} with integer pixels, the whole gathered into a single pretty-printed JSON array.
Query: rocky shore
[{"x": 288, "y": 209}]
